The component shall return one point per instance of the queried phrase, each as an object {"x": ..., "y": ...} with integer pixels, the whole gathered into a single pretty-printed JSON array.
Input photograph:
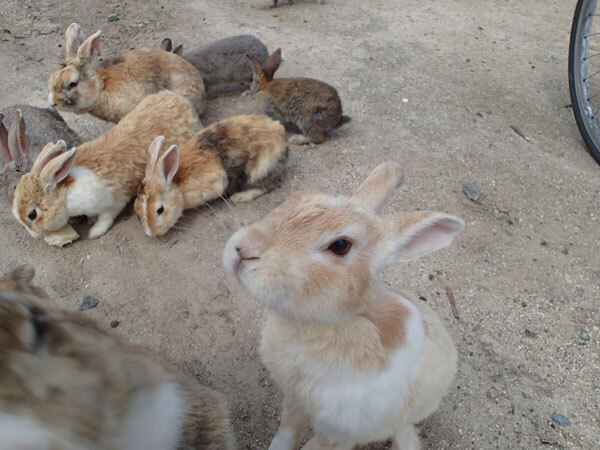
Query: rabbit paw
[
  {"x": 299, "y": 139},
  {"x": 103, "y": 223},
  {"x": 246, "y": 196}
]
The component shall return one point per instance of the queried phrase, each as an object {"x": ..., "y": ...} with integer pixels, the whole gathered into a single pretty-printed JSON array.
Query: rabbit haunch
[
  {"x": 101, "y": 176},
  {"x": 67, "y": 384},
  {"x": 111, "y": 88},
  {"x": 356, "y": 361}
]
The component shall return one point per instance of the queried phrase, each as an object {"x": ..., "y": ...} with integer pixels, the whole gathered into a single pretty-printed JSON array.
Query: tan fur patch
[{"x": 390, "y": 316}]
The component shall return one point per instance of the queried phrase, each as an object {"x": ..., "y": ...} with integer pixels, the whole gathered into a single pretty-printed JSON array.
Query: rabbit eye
[
  {"x": 32, "y": 215},
  {"x": 340, "y": 247},
  {"x": 72, "y": 85},
  {"x": 160, "y": 210}
]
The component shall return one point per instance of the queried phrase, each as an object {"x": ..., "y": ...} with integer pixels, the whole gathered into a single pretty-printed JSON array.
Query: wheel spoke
[
  {"x": 592, "y": 75},
  {"x": 591, "y": 56},
  {"x": 593, "y": 96}
]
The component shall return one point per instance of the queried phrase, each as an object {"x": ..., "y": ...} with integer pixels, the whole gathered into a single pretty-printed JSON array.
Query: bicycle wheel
[{"x": 584, "y": 73}]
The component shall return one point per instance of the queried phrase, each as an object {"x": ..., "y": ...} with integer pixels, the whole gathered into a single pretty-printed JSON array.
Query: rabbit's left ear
[
  {"x": 272, "y": 64},
  {"x": 379, "y": 186},
  {"x": 74, "y": 37},
  {"x": 178, "y": 50},
  {"x": 168, "y": 165},
  {"x": 410, "y": 235},
  {"x": 19, "y": 142},
  {"x": 89, "y": 51},
  {"x": 166, "y": 44},
  {"x": 57, "y": 169},
  {"x": 5, "y": 157}
]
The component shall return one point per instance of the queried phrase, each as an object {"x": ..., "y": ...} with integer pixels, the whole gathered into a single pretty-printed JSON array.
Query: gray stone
[
  {"x": 88, "y": 302},
  {"x": 471, "y": 190},
  {"x": 530, "y": 333},
  {"x": 584, "y": 335},
  {"x": 113, "y": 17},
  {"x": 561, "y": 420},
  {"x": 473, "y": 366}
]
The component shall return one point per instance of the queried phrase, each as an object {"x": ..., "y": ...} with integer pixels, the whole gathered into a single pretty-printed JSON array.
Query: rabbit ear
[
  {"x": 410, "y": 235},
  {"x": 272, "y": 63},
  {"x": 169, "y": 165},
  {"x": 57, "y": 169},
  {"x": 378, "y": 187},
  {"x": 74, "y": 37},
  {"x": 48, "y": 153},
  {"x": 5, "y": 157},
  {"x": 256, "y": 69},
  {"x": 166, "y": 44},
  {"x": 178, "y": 50},
  {"x": 153, "y": 153},
  {"x": 89, "y": 51},
  {"x": 18, "y": 141}
]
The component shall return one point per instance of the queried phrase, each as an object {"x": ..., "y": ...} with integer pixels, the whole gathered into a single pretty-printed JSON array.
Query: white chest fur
[{"x": 88, "y": 195}]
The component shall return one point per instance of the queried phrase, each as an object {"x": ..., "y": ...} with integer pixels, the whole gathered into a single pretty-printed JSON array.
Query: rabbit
[
  {"x": 224, "y": 61},
  {"x": 111, "y": 88},
  {"x": 30, "y": 128},
  {"x": 311, "y": 105},
  {"x": 355, "y": 360},
  {"x": 65, "y": 383},
  {"x": 242, "y": 153},
  {"x": 101, "y": 176}
]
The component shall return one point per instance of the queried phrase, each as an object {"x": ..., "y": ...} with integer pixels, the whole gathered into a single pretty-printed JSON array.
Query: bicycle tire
[{"x": 585, "y": 115}]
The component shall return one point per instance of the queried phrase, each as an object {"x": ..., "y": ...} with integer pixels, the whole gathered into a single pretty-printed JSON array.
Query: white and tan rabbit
[
  {"x": 111, "y": 88},
  {"x": 240, "y": 157},
  {"x": 356, "y": 361},
  {"x": 65, "y": 383},
  {"x": 29, "y": 130},
  {"x": 101, "y": 176},
  {"x": 311, "y": 105}
]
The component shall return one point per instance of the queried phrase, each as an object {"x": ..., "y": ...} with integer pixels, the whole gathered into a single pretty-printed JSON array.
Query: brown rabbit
[
  {"x": 111, "y": 88},
  {"x": 311, "y": 105},
  {"x": 67, "y": 384}
]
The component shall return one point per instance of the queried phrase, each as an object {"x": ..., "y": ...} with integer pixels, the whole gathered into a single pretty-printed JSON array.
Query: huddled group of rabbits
[{"x": 356, "y": 361}]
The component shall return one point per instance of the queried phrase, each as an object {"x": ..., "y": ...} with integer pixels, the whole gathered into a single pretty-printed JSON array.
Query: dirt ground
[{"x": 435, "y": 85}]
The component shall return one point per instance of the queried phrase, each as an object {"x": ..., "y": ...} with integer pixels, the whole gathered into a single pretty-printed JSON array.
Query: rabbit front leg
[
  {"x": 103, "y": 223},
  {"x": 406, "y": 439},
  {"x": 320, "y": 443},
  {"x": 294, "y": 423}
]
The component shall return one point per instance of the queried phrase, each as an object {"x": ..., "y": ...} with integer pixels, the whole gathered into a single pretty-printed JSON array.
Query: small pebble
[
  {"x": 471, "y": 191},
  {"x": 423, "y": 299},
  {"x": 114, "y": 324},
  {"x": 544, "y": 243},
  {"x": 88, "y": 302},
  {"x": 530, "y": 333},
  {"x": 312, "y": 145},
  {"x": 508, "y": 233},
  {"x": 473, "y": 366},
  {"x": 113, "y": 17},
  {"x": 561, "y": 420},
  {"x": 584, "y": 335},
  {"x": 404, "y": 100},
  {"x": 15, "y": 68}
]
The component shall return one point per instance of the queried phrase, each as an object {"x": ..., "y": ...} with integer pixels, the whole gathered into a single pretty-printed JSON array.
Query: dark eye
[
  {"x": 72, "y": 85},
  {"x": 32, "y": 215},
  {"x": 160, "y": 210},
  {"x": 340, "y": 247}
]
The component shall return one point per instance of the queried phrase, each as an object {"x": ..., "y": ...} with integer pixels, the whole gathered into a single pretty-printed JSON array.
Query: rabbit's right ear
[
  {"x": 57, "y": 169},
  {"x": 379, "y": 185},
  {"x": 256, "y": 69},
  {"x": 18, "y": 141},
  {"x": 48, "y": 153},
  {"x": 74, "y": 37},
  {"x": 169, "y": 165},
  {"x": 166, "y": 44},
  {"x": 5, "y": 157},
  {"x": 272, "y": 64},
  {"x": 178, "y": 50},
  {"x": 89, "y": 51},
  {"x": 153, "y": 154}
]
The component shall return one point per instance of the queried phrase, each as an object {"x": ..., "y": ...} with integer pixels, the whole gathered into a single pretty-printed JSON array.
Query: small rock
[
  {"x": 561, "y": 420},
  {"x": 312, "y": 145},
  {"x": 88, "y": 302},
  {"x": 423, "y": 299},
  {"x": 508, "y": 233},
  {"x": 584, "y": 335},
  {"x": 530, "y": 333},
  {"x": 113, "y": 18},
  {"x": 468, "y": 60},
  {"x": 471, "y": 191},
  {"x": 473, "y": 366},
  {"x": 404, "y": 100},
  {"x": 114, "y": 324},
  {"x": 15, "y": 68},
  {"x": 544, "y": 243}
]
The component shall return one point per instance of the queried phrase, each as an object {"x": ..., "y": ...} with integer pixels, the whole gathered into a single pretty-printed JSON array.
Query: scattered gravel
[{"x": 88, "y": 302}]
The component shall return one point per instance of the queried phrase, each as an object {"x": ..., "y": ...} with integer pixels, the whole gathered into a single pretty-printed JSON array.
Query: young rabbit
[
  {"x": 29, "y": 129},
  {"x": 101, "y": 176},
  {"x": 356, "y": 361},
  {"x": 241, "y": 152},
  {"x": 224, "y": 61},
  {"x": 311, "y": 105},
  {"x": 67, "y": 384},
  {"x": 111, "y": 88}
]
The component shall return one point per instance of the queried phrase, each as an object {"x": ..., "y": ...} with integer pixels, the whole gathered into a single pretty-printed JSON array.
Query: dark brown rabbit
[
  {"x": 311, "y": 105},
  {"x": 67, "y": 384}
]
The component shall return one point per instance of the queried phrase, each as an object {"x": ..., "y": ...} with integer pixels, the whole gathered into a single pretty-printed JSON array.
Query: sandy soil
[{"x": 433, "y": 84}]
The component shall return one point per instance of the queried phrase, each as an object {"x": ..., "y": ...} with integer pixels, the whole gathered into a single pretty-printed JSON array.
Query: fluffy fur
[
  {"x": 101, "y": 176},
  {"x": 223, "y": 62},
  {"x": 111, "y": 88},
  {"x": 356, "y": 361},
  {"x": 232, "y": 155},
  {"x": 311, "y": 105},
  {"x": 67, "y": 384}
]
